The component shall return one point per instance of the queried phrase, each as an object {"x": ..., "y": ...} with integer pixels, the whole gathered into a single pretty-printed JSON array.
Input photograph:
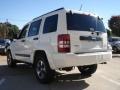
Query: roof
[
  {"x": 68, "y": 10},
  {"x": 49, "y": 12}
]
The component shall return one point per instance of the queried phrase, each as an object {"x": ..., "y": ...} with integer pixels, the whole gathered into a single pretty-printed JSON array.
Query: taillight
[{"x": 64, "y": 43}]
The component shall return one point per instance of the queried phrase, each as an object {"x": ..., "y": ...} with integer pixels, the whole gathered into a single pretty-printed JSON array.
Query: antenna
[{"x": 81, "y": 7}]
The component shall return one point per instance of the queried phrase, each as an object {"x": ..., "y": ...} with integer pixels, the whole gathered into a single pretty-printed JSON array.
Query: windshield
[
  {"x": 2, "y": 41},
  {"x": 81, "y": 22}
]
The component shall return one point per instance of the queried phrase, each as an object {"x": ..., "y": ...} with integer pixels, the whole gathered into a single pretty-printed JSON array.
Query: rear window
[
  {"x": 50, "y": 24},
  {"x": 81, "y": 22},
  {"x": 100, "y": 26}
]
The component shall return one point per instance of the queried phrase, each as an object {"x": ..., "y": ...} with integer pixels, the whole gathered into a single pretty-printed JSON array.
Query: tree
[
  {"x": 114, "y": 24},
  {"x": 7, "y": 30}
]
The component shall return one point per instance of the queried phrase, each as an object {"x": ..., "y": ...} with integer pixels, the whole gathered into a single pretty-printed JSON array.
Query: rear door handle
[{"x": 35, "y": 38}]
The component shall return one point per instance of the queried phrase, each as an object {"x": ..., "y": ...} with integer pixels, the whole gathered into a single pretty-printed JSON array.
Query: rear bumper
[{"x": 70, "y": 59}]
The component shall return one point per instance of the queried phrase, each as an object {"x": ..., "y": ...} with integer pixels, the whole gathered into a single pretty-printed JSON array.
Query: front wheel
[
  {"x": 10, "y": 61},
  {"x": 88, "y": 69}
]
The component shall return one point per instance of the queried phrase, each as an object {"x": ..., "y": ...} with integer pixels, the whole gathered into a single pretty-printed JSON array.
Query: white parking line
[
  {"x": 110, "y": 80},
  {"x": 2, "y": 81}
]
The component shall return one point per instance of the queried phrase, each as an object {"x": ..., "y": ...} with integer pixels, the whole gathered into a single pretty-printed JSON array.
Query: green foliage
[
  {"x": 114, "y": 24},
  {"x": 8, "y": 30}
]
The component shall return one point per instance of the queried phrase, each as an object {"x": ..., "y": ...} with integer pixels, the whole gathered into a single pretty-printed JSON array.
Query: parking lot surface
[{"x": 107, "y": 77}]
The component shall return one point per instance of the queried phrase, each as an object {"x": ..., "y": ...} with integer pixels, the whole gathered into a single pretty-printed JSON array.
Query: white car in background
[{"x": 115, "y": 43}]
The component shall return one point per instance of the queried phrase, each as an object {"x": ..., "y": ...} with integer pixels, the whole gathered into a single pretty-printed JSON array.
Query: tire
[
  {"x": 10, "y": 61},
  {"x": 42, "y": 70},
  {"x": 88, "y": 70}
]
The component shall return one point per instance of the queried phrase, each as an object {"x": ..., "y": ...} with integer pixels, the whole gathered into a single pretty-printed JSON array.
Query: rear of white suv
[
  {"x": 84, "y": 43},
  {"x": 60, "y": 40}
]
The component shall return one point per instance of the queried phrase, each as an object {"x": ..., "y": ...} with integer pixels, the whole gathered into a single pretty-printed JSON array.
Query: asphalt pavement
[{"x": 107, "y": 77}]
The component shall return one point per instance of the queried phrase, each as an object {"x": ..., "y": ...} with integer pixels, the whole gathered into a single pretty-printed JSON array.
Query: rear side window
[
  {"x": 50, "y": 24},
  {"x": 81, "y": 22},
  {"x": 34, "y": 28}
]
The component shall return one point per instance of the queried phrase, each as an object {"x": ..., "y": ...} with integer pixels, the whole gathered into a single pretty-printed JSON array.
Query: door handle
[
  {"x": 35, "y": 38},
  {"x": 22, "y": 40}
]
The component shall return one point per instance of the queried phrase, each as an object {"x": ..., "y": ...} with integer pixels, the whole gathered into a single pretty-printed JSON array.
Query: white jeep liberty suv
[{"x": 61, "y": 39}]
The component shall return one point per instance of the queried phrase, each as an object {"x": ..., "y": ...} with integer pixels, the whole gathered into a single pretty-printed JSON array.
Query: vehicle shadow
[
  {"x": 70, "y": 82},
  {"x": 22, "y": 78}
]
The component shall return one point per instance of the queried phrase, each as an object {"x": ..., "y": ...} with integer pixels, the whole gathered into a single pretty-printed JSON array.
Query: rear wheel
[
  {"x": 10, "y": 61},
  {"x": 88, "y": 69},
  {"x": 42, "y": 70}
]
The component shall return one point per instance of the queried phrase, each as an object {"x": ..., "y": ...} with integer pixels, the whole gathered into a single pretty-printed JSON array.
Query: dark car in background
[
  {"x": 115, "y": 43},
  {"x": 4, "y": 43}
]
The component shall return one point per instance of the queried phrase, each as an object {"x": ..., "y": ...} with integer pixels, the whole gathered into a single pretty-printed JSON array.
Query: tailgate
[
  {"x": 86, "y": 42},
  {"x": 87, "y": 33}
]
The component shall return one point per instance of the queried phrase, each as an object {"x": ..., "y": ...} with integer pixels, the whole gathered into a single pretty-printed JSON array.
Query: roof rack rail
[{"x": 50, "y": 12}]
